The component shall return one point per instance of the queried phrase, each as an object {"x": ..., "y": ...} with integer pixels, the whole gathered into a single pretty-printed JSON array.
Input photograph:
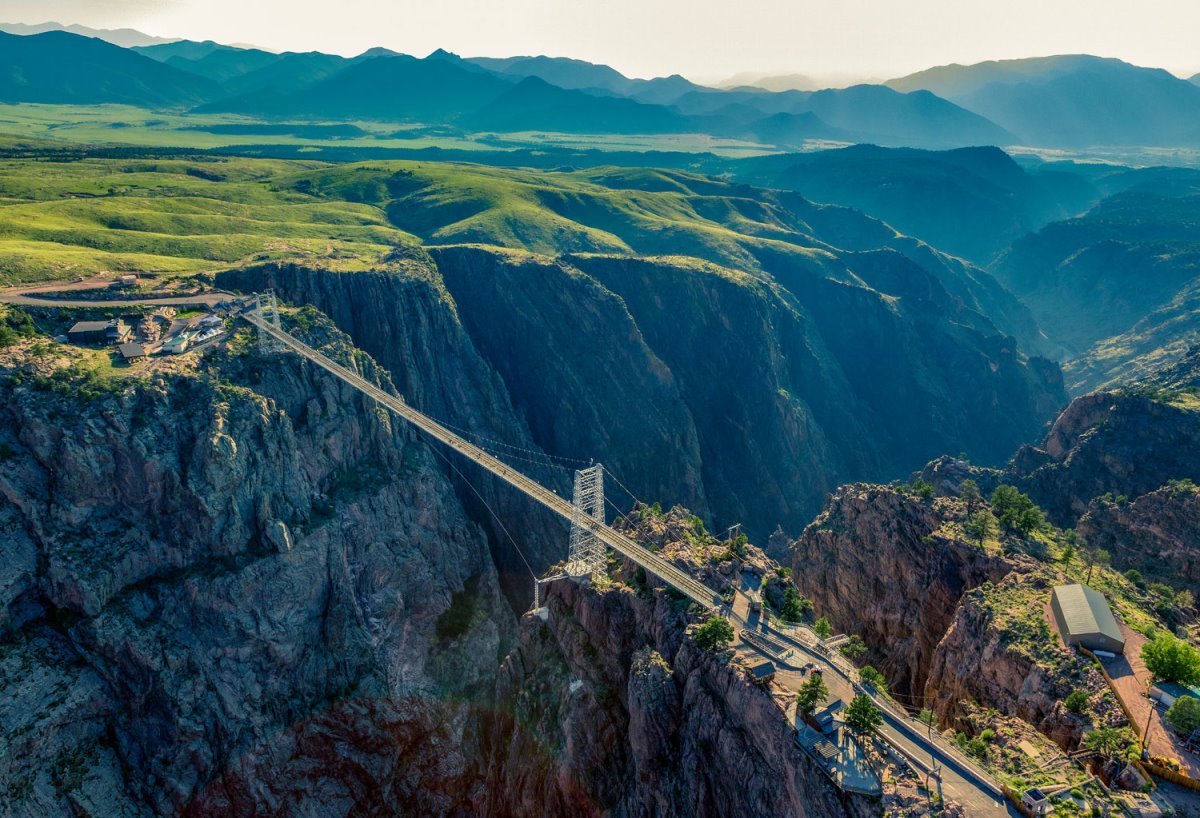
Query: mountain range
[
  {"x": 1072, "y": 100},
  {"x": 1068, "y": 101}
]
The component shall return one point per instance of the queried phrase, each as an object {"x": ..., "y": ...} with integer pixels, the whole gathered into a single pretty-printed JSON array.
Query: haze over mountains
[
  {"x": 1072, "y": 101},
  {"x": 1058, "y": 102}
]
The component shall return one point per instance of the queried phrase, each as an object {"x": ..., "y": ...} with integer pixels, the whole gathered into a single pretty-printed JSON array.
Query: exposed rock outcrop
[
  {"x": 1157, "y": 533},
  {"x": 607, "y": 709},
  {"x": 999, "y": 652},
  {"x": 220, "y": 595},
  {"x": 1109, "y": 443},
  {"x": 892, "y": 568}
]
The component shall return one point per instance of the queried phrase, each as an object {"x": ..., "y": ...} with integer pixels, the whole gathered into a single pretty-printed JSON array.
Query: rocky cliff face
[
  {"x": 1157, "y": 533},
  {"x": 997, "y": 653},
  {"x": 948, "y": 623},
  {"x": 233, "y": 589},
  {"x": 607, "y": 709},
  {"x": 1109, "y": 443},
  {"x": 891, "y": 568},
  {"x": 1122, "y": 444}
]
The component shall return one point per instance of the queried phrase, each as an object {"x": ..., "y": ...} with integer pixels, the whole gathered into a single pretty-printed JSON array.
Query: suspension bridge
[{"x": 590, "y": 536}]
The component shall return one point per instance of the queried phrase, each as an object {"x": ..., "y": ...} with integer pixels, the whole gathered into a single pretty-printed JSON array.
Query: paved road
[
  {"x": 201, "y": 300},
  {"x": 960, "y": 782}
]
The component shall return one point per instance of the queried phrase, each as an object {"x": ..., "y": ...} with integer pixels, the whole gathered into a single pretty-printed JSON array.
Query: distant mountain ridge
[
  {"x": 1077, "y": 101},
  {"x": 124, "y": 37},
  {"x": 1073, "y": 100},
  {"x": 47, "y": 68}
]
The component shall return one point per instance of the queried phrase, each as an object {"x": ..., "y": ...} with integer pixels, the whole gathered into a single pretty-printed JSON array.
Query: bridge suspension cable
[{"x": 651, "y": 562}]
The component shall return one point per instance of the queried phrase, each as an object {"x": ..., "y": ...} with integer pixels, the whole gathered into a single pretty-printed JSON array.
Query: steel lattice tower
[
  {"x": 267, "y": 307},
  {"x": 587, "y": 552}
]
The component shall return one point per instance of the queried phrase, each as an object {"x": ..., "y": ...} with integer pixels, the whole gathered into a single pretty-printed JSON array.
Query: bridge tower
[
  {"x": 586, "y": 554},
  {"x": 267, "y": 307}
]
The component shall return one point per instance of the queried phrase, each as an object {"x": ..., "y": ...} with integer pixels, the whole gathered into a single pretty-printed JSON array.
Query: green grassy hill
[{"x": 60, "y": 220}]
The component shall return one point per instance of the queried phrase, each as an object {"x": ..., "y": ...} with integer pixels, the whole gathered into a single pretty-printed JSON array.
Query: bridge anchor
[{"x": 538, "y": 608}]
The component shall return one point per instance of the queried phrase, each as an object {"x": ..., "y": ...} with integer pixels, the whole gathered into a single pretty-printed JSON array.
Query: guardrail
[{"x": 905, "y": 722}]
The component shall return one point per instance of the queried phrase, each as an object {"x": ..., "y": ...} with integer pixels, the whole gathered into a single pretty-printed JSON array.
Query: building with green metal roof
[{"x": 1084, "y": 618}]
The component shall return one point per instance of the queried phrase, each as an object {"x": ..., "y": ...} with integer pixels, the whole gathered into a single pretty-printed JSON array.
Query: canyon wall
[{"x": 233, "y": 589}]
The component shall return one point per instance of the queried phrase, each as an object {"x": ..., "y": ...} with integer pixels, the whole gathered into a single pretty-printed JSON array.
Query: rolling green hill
[{"x": 60, "y": 220}]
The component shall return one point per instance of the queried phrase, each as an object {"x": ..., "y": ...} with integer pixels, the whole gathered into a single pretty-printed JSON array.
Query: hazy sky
[{"x": 702, "y": 39}]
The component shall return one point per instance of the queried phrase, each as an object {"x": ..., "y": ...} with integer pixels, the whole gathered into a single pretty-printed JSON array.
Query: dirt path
[{"x": 1130, "y": 682}]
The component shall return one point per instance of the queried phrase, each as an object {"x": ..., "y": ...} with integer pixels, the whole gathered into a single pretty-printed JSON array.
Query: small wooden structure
[{"x": 132, "y": 352}]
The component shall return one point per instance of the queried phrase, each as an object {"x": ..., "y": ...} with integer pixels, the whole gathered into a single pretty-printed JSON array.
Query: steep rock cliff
[
  {"x": 891, "y": 568},
  {"x": 1110, "y": 443},
  {"x": 1000, "y": 653},
  {"x": 607, "y": 709},
  {"x": 743, "y": 399},
  {"x": 1157, "y": 533},
  {"x": 228, "y": 587}
]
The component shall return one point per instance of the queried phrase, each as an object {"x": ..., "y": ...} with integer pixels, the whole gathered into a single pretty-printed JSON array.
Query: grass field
[
  {"x": 64, "y": 219},
  {"x": 131, "y": 126},
  {"x": 61, "y": 219}
]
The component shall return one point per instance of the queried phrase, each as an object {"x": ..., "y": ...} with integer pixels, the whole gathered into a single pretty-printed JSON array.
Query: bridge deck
[{"x": 675, "y": 577}]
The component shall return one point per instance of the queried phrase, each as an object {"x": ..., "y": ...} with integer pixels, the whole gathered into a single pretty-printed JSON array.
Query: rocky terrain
[
  {"x": 1157, "y": 533},
  {"x": 948, "y": 621},
  {"x": 892, "y": 568},
  {"x": 607, "y": 709},
  {"x": 234, "y": 586},
  {"x": 1122, "y": 444},
  {"x": 239, "y": 585},
  {"x": 999, "y": 652}
]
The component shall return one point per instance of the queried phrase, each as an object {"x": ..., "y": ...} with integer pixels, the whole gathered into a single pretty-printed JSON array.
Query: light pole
[{"x": 1149, "y": 716}]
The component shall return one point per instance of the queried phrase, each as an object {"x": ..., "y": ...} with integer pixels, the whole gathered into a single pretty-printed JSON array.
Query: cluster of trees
[
  {"x": 1015, "y": 511},
  {"x": 1171, "y": 659},
  {"x": 1011, "y": 510},
  {"x": 862, "y": 714}
]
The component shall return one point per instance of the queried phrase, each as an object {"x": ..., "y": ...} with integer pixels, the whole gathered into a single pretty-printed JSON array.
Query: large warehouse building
[{"x": 1084, "y": 618}]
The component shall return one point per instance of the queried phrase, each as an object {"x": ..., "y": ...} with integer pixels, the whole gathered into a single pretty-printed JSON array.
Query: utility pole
[{"x": 1149, "y": 716}]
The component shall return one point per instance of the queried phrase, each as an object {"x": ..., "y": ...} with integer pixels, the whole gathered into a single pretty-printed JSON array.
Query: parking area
[{"x": 1130, "y": 682}]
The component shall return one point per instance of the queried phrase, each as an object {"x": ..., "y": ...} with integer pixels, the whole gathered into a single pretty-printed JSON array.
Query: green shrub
[
  {"x": 1076, "y": 702},
  {"x": 873, "y": 677},
  {"x": 715, "y": 635}
]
